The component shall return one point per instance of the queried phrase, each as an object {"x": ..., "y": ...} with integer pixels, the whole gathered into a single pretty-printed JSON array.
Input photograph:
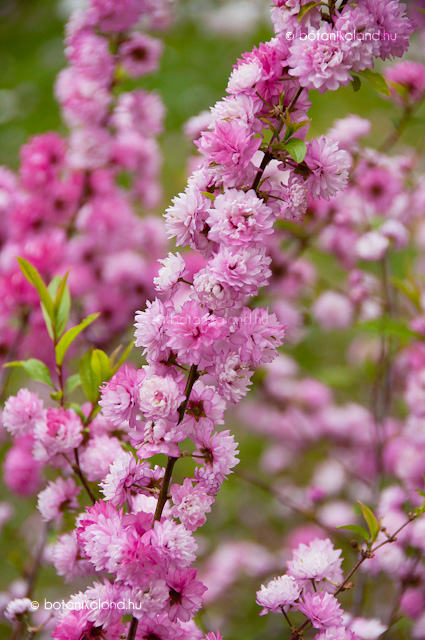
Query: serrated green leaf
[
  {"x": 32, "y": 275},
  {"x": 36, "y": 369},
  {"x": 356, "y": 83},
  {"x": 68, "y": 338},
  {"x": 371, "y": 520},
  {"x": 296, "y": 149},
  {"x": 72, "y": 383},
  {"x": 88, "y": 377},
  {"x": 377, "y": 81},
  {"x": 355, "y": 528},
  {"x": 306, "y": 8}
]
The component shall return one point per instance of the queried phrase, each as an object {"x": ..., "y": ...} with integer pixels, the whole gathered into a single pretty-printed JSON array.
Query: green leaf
[
  {"x": 88, "y": 377},
  {"x": 389, "y": 326},
  {"x": 209, "y": 195},
  {"x": 36, "y": 369},
  {"x": 72, "y": 383},
  {"x": 116, "y": 365},
  {"x": 409, "y": 289},
  {"x": 296, "y": 149},
  {"x": 62, "y": 305},
  {"x": 56, "y": 395},
  {"x": 356, "y": 83},
  {"x": 377, "y": 81},
  {"x": 355, "y": 528},
  {"x": 100, "y": 366},
  {"x": 69, "y": 337},
  {"x": 306, "y": 8},
  {"x": 32, "y": 275},
  {"x": 372, "y": 522}
]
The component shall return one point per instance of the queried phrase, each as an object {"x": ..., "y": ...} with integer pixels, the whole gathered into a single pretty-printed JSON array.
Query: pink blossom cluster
[
  {"x": 210, "y": 328},
  {"x": 68, "y": 201}
]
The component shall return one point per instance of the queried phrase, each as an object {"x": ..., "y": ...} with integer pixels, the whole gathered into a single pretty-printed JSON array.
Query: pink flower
[
  {"x": 116, "y": 15},
  {"x": 150, "y": 331},
  {"x": 280, "y": 592},
  {"x": 229, "y": 150},
  {"x": 41, "y": 161},
  {"x": 21, "y": 471},
  {"x": 21, "y": 412},
  {"x": 319, "y": 62},
  {"x": 191, "y": 503},
  {"x": 174, "y": 544},
  {"x": 333, "y": 310},
  {"x": 233, "y": 376},
  {"x": 98, "y": 455},
  {"x": 322, "y": 609},
  {"x": 59, "y": 431},
  {"x": 409, "y": 80},
  {"x": 125, "y": 478},
  {"x": 17, "y": 608},
  {"x": 172, "y": 270},
  {"x": 316, "y": 561},
  {"x": 97, "y": 531},
  {"x": 336, "y": 633},
  {"x": 185, "y": 219},
  {"x": 242, "y": 269},
  {"x": 57, "y": 497},
  {"x": 65, "y": 555},
  {"x": 139, "y": 111},
  {"x": 257, "y": 334},
  {"x": 185, "y": 594},
  {"x": 205, "y": 408},
  {"x": 329, "y": 167},
  {"x": 120, "y": 395},
  {"x": 239, "y": 218},
  {"x": 160, "y": 397},
  {"x": 219, "y": 450},
  {"x": 372, "y": 246},
  {"x": 140, "y": 54},
  {"x": 244, "y": 77},
  {"x": 193, "y": 332}
]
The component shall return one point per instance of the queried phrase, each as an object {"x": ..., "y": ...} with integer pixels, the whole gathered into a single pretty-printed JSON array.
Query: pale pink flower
[
  {"x": 280, "y": 592},
  {"x": 59, "y": 496}
]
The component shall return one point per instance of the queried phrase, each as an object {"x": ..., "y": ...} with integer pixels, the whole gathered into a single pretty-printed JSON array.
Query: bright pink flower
[
  {"x": 242, "y": 269},
  {"x": 219, "y": 450},
  {"x": 98, "y": 455},
  {"x": 139, "y": 111},
  {"x": 41, "y": 161},
  {"x": 120, "y": 395},
  {"x": 58, "y": 431},
  {"x": 229, "y": 150},
  {"x": 97, "y": 530},
  {"x": 59, "y": 496},
  {"x": 409, "y": 80},
  {"x": 232, "y": 375},
  {"x": 150, "y": 331},
  {"x": 322, "y": 609},
  {"x": 126, "y": 477},
  {"x": 140, "y": 54},
  {"x": 193, "y": 332},
  {"x": 21, "y": 471},
  {"x": 191, "y": 503},
  {"x": 205, "y": 408},
  {"x": 239, "y": 218},
  {"x": 65, "y": 555},
  {"x": 21, "y": 412},
  {"x": 160, "y": 397},
  {"x": 185, "y": 219},
  {"x": 319, "y": 62},
  {"x": 329, "y": 167},
  {"x": 174, "y": 544},
  {"x": 185, "y": 594},
  {"x": 257, "y": 334}
]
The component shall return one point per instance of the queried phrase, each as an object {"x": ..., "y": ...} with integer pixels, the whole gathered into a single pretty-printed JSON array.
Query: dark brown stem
[
  {"x": 81, "y": 476},
  {"x": 269, "y": 156}
]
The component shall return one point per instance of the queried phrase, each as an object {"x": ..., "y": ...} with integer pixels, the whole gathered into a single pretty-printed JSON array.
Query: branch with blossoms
[{"x": 202, "y": 339}]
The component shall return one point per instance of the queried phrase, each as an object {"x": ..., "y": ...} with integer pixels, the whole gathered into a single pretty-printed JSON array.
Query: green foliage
[
  {"x": 68, "y": 338},
  {"x": 377, "y": 81},
  {"x": 36, "y": 370},
  {"x": 296, "y": 149}
]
